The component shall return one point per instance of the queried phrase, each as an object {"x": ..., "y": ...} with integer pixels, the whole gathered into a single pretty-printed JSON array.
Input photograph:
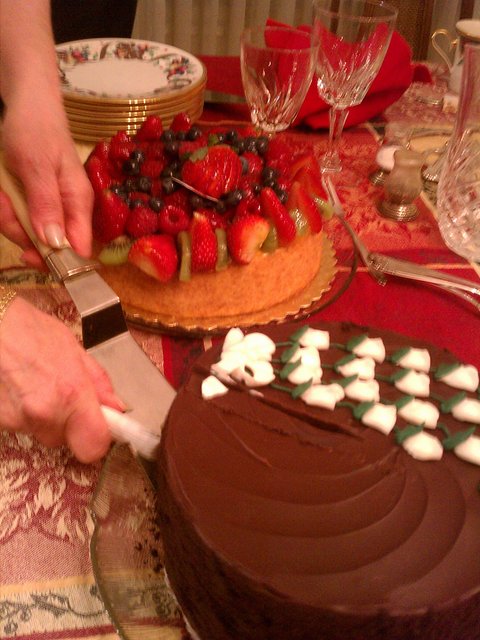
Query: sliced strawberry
[
  {"x": 304, "y": 159},
  {"x": 311, "y": 178},
  {"x": 120, "y": 147},
  {"x": 151, "y": 129},
  {"x": 245, "y": 236},
  {"x": 248, "y": 206},
  {"x": 204, "y": 244},
  {"x": 173, "y": 219},
  {"x": 152, "y": 168},
  {"x": 99, "y": 173},
  {"x": 272, "y": 208},
  {"x": 299, "y": 198},
  {"x": 110, "y": 215},
  {"x": 155, "y": 255},
  {"x": 254, "y": 162},
  {"x": 101, "y": 150},
  {"x": 142, "y": 221},
  {"x": 214, "y": 170},
  {"x": 181, "y": 122},
  {"x": 217, "y": 220}
]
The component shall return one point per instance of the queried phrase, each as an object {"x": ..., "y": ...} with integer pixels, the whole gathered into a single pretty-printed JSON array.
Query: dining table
[{"x": 54, "y": 509}]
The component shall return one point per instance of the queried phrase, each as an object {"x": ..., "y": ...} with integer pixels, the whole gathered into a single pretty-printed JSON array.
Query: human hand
[
  {"x": 49, "y": 386},
  {"x": 39, "y": 150}
]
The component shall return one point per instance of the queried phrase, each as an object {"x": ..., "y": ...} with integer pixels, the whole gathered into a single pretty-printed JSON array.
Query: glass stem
[{"x": 331, "y": 161}]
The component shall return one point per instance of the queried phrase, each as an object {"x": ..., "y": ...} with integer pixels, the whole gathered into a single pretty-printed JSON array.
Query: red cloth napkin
[{"x": 394, "y": 77}]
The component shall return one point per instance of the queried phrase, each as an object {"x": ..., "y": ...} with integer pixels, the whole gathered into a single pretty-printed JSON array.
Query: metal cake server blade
[{"x": 135, "y": 379}]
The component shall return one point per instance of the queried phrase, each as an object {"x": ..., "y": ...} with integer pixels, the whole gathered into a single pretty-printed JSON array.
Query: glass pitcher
[{"x": 459, "y": 185}]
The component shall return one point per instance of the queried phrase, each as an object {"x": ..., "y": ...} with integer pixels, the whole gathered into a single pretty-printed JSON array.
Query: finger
[
  {"x": 87, "y": 433},
  {"x": 9, "y": 224},
  {"x": 101, "y": 381},
  {"x": 77, "y": 199},
  {"x": 32, "y": 258}
]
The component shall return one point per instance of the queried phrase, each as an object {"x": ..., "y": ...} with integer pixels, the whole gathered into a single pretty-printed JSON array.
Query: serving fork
[{"x": 379, "y": 265}]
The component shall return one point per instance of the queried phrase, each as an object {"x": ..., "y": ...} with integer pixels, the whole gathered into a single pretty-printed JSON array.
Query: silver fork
[
  {"x": 362, "y": 250},
  {"x": 379, "y": 264}
]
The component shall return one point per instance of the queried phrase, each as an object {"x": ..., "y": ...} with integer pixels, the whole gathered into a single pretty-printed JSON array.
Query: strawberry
[
  {"x": 180, "y": 198},
  {"x": 248, "y": 206},
  {"x": 310, "y": 176},
  {"x": 254, "y": 164},
  {"x": 151, "y": 129},
  {"x": 204, "y": 244},
  {"x": 121, "y": 147},
  {"x": 217, "y": 220},
  {"x": 98, "y": 172},
  {"x": 213, "y": 170},
  {"x": 187, "y": 147},
  {"x": 110, "y": 216},
  {"x": 142, "y": 221},
  {"x": 181, "y": 122},
  {"x": 299, "y": 198},
  {"x": 173, "y": 219},
  {"x": 152, "y": 168},
  {"x": 101, "y": 150},
  {"x": 272, "y": 208},
  {"x": 245, "y": 236},
  {"x": 155, "y": 255}
]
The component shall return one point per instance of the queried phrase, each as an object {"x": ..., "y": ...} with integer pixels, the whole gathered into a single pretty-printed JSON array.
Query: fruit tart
[{"x": 199, "y": 224}]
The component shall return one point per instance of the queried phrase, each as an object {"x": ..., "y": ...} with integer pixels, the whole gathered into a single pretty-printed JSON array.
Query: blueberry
[
  {"x": 135, "y": 202},
  {"x": 197, "y": 201},
  {"x": 250, "y": 144},
  {"x": 231, "y": 136},
  {"x": 167, "y": 135},
  {"x": 181, "y": 135},
  {"x": 269, "y": 173},
  {"x": 281, "y": 194},
  {"x": 131, "y": 167},
  {"x": 119, "y": 190},
  {"x": 244, "y": 162},
  {"x": 156, "y": 204},
  {"x": 220, "y": 206},
  {"x": 172, "y": 147},
  {"x": 194, "y": 133},
  {"x": 130, "y": 184},
  {"x": 232, "y": 198},
  {"x": 256, "y": 188},
  {"x": 144, "y": 183},
  {"x": 270, "y": 182},
  {"x": 137, "y": 155},
  {"x": 262, "y": 145},
  {"x": 221, "y": 137},
  {"x": 168, "y": 185}
]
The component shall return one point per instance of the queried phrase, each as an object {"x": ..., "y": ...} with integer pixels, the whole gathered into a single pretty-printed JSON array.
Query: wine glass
[
  {"x": 353, "y": 38},
  {"x": 458, "y": 192},
  {"x": 277, "y": 65}
]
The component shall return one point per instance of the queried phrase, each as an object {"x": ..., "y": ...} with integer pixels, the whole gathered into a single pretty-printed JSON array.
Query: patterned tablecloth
[{"x": 47, "y": 585}]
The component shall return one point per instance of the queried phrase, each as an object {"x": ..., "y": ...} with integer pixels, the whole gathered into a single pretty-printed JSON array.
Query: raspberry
[
  {"x": 173, "y": 219},
  {"x": 142, "y": 221}
]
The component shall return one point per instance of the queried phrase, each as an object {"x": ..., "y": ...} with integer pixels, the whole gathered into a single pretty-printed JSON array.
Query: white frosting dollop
[
  {"x": 212, "y": 387},
  {"x": 463, "y": 377},
  {"x": 323, "y": 395},
  {"x": 363, "y": 390},
  {"x": 255, "y": 373},
  {"x": 467, "y": 410},
  {"x": 315, "y": 338},
  {"x": 229, "y": 361},
  {"x": 423, "y": 446},
  {"x": 364, "y": 368},
  {"x": 381, "y": 417},
  {"x": 233, "y": 337},
  {"x": 469, "y": 450},
  {"x": 417, "y": 359},
  {"x": 420, "y": 412},
  {"x": 304, "y": 373},
  {"x": 372, "y": 347},
  {"x": 414, "y": 383}
]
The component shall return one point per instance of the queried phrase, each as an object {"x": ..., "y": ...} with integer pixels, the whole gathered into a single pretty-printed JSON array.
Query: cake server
[{"x": 135, "y": 379}]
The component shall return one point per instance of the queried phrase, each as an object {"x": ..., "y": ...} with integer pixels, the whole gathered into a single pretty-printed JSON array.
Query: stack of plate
[{"x": 111, "y": 85}]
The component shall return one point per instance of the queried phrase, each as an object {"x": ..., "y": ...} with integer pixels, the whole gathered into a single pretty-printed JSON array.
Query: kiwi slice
[
  {"x": 325, "y": 207},
  {"x": 222, "y": 250},
  {"x": 301, "y": 223},
  {"x": 185, "y": 246},
  {"x": 115, "y": 252},
  {"x": 270, "y": 244}
]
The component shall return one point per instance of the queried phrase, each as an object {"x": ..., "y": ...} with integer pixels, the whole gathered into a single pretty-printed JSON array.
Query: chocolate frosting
[{"x": 282, "y": 520}]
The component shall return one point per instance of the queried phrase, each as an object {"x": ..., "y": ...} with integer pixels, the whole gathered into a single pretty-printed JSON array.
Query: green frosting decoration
[
  {"x": 447, "y": 405},
  {"x": 398, "y": 355},
  {"x": 403, "y": 401},
  {"x": 452, "y": 441},
  {"x": 344, "y": 360},
  {"x": 295, "y": 337},
  {"x": 403, "y": 434},
  {"x": 288, "y": 368},
  {"x": 398, "y": 375},
  {"x": 344, "y": 382},
  {"x": 355, "y": 341},
  {"x": 288, "y": 353},
  {"x": 301, "y": 388},
  {"x": 362, "y": 408},
  {"x": 444, "y": 369}
]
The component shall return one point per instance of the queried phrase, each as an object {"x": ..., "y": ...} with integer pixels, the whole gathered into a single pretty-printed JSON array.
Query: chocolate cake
[{"x": 324, "y": 498}]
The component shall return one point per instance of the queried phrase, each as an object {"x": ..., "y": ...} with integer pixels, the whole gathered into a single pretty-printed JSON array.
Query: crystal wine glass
[
  {"x": 353, "y": 38},
  {"x": 277, "y": 65}
]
